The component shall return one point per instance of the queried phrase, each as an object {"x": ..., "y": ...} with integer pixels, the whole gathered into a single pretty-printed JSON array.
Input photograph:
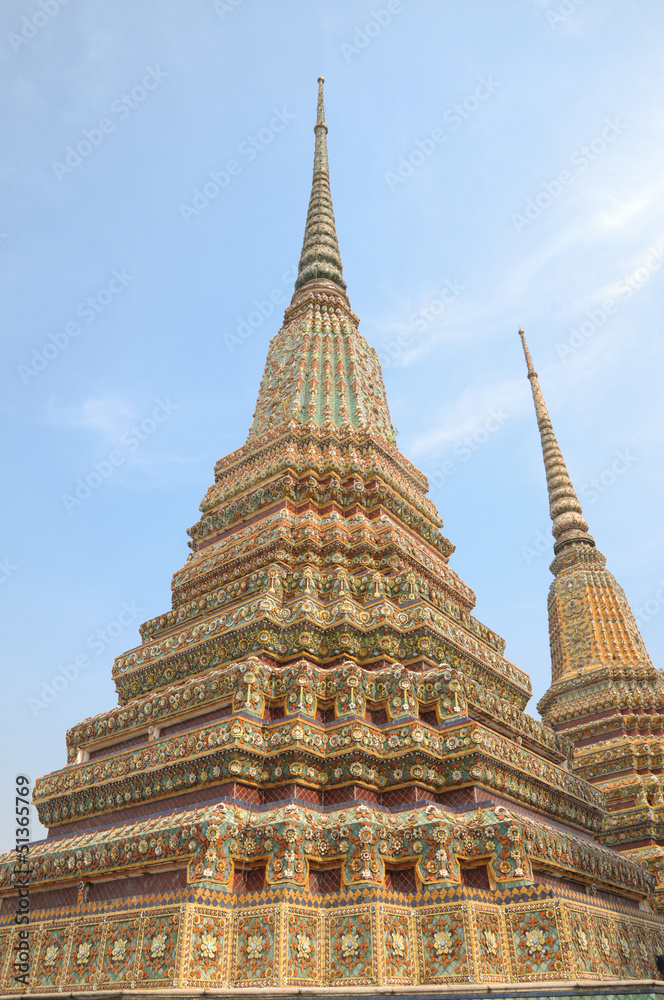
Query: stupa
[
  {"x": 320, "y": 773},
  {"x": 606, "y": 695}
]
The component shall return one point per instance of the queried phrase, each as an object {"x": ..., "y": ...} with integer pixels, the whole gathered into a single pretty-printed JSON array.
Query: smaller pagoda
[{"x": 606, "y": 696}]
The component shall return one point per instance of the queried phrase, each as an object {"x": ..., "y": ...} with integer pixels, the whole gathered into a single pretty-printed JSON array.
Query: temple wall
[{"x": 299, "y": 943}]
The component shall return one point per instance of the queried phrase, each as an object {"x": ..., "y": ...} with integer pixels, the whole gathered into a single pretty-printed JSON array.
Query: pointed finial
[
  {"x": 320, "y": 260},
  {"x": 529, "y": 360},
  {"x": 320, "y": 113},
  {"x": 569, "y": 524}
]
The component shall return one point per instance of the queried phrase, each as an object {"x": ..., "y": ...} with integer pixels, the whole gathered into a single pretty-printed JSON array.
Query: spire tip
[
  {"x": 529, "y": 361},
  {"x": 320, "y": 260},
  {"x": 320, "y": 112},
  {"x": 569, "y": 524}
]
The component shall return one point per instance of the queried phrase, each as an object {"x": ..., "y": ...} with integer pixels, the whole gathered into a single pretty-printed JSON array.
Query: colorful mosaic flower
[
  {"x": 51, "y": 954},
  {"x": 208, "y": 946},
  {"x": 350, "y": 944},
  {"x": 119, "y": 950},
  {"x": 255, "y": 946},
  {"x": 158, "y": 946},
  {"x": 83, "y": 953},
  {"x": 303, "y": 947},
  {"x": 398, "y": 944},
  {"x": 491, "y": 941},
  {"x": 536, "y": 941},
  {"x": 442, "y": 942}
]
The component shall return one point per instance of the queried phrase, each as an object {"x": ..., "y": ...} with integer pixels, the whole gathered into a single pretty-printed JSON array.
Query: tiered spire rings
[
  {"x": 569, "y": 524},
  {"x": 320, "y": 260}
]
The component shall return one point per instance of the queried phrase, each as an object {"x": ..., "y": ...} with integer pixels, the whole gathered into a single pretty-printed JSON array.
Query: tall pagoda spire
[
  {"x": 605, "y": 694},
  {"x": 590, "y": 621},
  {"x": 320, "y": 371},
  {"x": 569, "y": 524},
  {"x": 320, "y": 259}
]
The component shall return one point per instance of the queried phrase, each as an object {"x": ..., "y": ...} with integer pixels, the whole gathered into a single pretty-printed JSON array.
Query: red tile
[
  {"x": 196, "y": 721},
  {"x": 324, "y": 880},
  {"x": 401, "y": 879},
  {"x": 475, "y": 877},
  {"x": 249, "y": 879},
  {"x": 457, "y": 796},
  {"x": 134, "y": 741},
  {"x": 377, "y": 716}
]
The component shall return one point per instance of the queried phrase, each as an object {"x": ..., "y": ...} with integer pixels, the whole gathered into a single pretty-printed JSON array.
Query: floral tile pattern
[
  {"x": 397, "y": 952},
  {"x": 583, "y": 943},
  {"x": 86, "y": 949},
  {"x": 256, "y": 948},
  {"x": 120, "y": 950},
  {"x": 157, "y": 962},
  {"x": 51, "y": 957},
  {"x": 606, "y": 947},
  {"x": 350, "y": 948},
  {"x": 207, "y": 948},
  {"x": 444, "y": 947},
  {"x": 7, "y": 940},
  {"x": 491, "y": 958},
  {"x": 303, "y": 948},
  {"x": 309, "y": 945},
  {"x": 535, "y": 944}
]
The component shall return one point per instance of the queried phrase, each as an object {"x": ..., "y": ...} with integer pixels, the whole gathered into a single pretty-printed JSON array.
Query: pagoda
[
  {"x": 606, "y": 696},
  {"x": 320, "y": 773}
]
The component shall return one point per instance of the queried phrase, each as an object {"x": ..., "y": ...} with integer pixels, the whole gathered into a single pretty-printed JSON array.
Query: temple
[{"x": 320, "y": 772}]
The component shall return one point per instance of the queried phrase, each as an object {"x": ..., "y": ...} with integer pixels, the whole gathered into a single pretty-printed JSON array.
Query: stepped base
[
  {"x": 625, "y": 989},
  {"x": 390, "y": 943}
]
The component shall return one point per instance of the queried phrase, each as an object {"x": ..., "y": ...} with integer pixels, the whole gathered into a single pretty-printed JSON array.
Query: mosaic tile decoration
[
  {"x": 346, "y": 946},
  {"x": 319, "y": 772}
]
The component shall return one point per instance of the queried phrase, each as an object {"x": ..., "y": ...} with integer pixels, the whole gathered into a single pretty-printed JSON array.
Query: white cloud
[
  {"x": 107, "y": 415},
  {"x": 476, "y": 406}
]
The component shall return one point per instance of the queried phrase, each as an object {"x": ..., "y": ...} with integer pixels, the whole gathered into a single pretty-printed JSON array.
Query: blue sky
[{"x": 493, "y": 165}]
